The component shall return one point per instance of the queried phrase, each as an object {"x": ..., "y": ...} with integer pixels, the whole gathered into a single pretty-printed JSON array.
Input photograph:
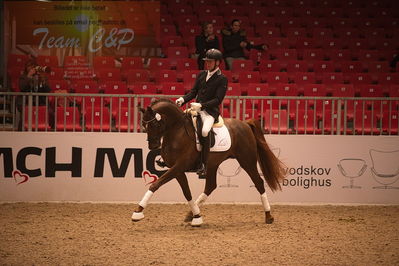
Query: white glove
[
  {"x": 180, "y": 101},
  {"x": 196, "y": 107}
]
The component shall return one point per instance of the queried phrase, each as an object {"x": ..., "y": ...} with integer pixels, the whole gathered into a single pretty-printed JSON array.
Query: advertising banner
[
  {"x": 110, "y": 167},
  {"x": 91, "y": 25}
]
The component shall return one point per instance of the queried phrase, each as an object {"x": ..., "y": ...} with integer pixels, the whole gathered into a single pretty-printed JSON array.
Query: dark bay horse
[{"x": 172, "y": 130}]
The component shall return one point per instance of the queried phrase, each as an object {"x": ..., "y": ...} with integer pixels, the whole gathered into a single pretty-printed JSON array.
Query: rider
[{"x": 209, "y": 90}]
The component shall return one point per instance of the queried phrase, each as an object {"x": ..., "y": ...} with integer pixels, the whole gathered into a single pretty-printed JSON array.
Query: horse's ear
[
  {"x": 149, "y": 109},
  {"x": 141, "y": 109}
]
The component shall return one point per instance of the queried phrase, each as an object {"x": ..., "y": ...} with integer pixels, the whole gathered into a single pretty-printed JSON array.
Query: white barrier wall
[{"x": 108, "y": 167}]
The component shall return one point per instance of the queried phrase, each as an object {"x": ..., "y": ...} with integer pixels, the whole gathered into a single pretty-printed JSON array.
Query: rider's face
[{"x": 210, "y": 65}]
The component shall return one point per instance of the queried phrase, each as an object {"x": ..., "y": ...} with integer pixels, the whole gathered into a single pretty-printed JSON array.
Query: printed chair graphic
[
  {"x": 229, "y": 170},
  {"x": 352, "y": 168},
  {"x": 385, "y": 168}
]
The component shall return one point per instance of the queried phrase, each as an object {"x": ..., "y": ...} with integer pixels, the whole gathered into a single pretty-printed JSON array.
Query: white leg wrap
[
  {"x": 194, "y": 207},
  {"x": 201, "y": 199},
  {"x": 265, "y": 202},
  {"x": 143, "y": 203}
]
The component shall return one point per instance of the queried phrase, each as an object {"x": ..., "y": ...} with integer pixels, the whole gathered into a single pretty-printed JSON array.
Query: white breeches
[{"x": 207, "y": 121}]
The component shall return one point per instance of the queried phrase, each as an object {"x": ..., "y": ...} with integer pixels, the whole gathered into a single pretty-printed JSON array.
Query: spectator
[
  {"x": 234, "y": 42},
  {"x": 207, "y": 40},
  {"x": 33, "y": 80}
]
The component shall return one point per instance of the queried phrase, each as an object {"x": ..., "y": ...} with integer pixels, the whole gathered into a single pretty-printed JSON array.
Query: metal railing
[{"x": 120, "y": 113}]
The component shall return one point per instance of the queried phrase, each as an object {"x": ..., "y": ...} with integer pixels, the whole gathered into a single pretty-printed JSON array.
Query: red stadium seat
[
  {"x": 190, "y": 30},
  {"x": 377, "y": 66},
  {"x": 358, "y": 78},
  {"x": 270, "y": 65},
  {"x": 76, "y": 61},
  {"x": 132, "y": 63},
  {"x": 297, "y": 66},
  {"x": 109, "y": 74},
  {"x": 268, "y": 32},
  {"x": 100, "y": 62},
  {"x": 276, "y": 121},
  {"x": 332, "y": 78},
  {"x": 246, "y": 77},
  {"x": 274, "y": 77},
  {"x": 39, "y": 120},
  {"x": 388, "y": 78},
  {"x": 168, "y": 30},
  {"x": 97, "y": 119},
  {"x": 172, "y": 88},
  {"x": 320, "y": 66},
  {"x": 165, "y": 75},
  {"x": 175, "y": 53},
  {"x": 144, "y": 88},
  {"x": 390, "y": 123},
  {"x": 137, "y": 75},
  {"x": 313, "y": 54},
  {"x": 124, "y": 119},
  {"x": 303, "y": 78},
  {"x": 56, "y": 73},
  {"x": 158, "y": 64},
  {"x": 306, "y": 122},
  {"x": 59, "y": 85},
  {"x": 114, "y": 87},
  {"x": 365, "y": 124},
  {"x": 342, "y": 90},
  {"x": 233, "y": 89},
  {"x": 171, "y": 41},
  {"x": 67, "y": 119},
  {"x": 48, "y": 60},
  {"x": 17, "y": 60},
  {"x": 288, "y": 54},
  {"x": 351, "y": 66},
  {"x": 295, "y": 32}
]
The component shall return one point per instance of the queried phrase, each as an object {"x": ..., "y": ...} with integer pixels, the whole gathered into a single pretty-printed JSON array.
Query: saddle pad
[{"x": 222, "y": 140}]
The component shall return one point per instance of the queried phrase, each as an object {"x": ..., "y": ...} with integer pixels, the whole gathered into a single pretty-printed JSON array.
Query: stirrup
[{"x": 201, "y": 172}]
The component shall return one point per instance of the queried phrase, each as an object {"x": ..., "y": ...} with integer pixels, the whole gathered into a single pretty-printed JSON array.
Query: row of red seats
[
  {"x": 275, "y": 121},
  {"x": 269, "y": 30},
  {"x": 70, "y": 119},
  {"x": 248, "y": 10},
  {"x": 285, "y": 3},
  {"x": 306, "y": 122}
]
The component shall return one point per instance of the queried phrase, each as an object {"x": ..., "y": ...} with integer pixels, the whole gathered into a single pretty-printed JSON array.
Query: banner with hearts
[
  {"x": 147, "y": 175},
  {"x": 20, "y": 177}
]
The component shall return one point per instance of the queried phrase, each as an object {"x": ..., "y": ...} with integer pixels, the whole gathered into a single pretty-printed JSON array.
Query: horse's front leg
[
  {"x": 165, "y": 178},
  {"x": 194, "y": 216}
]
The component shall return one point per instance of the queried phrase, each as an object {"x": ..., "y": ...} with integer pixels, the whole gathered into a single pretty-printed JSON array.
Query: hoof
[
  {"x": 137, "y": 216},
  {"x": 197, "y": 221},
  {"x": 269, "y": 220},
  {"x": 188, "y": 218}
]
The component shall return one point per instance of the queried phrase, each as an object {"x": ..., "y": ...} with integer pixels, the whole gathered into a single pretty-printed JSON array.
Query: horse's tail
[{"x": 272, "y": 168}]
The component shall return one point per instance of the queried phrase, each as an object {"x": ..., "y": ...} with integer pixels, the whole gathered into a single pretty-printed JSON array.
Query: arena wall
[{"x": 108, "y": 167}]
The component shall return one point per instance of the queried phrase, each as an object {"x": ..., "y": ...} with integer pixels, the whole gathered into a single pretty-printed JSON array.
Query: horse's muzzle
[{"x": 154, "y": 145}]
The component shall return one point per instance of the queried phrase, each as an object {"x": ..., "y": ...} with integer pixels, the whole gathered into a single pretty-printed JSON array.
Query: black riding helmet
[{"x": 213, "y": 54}]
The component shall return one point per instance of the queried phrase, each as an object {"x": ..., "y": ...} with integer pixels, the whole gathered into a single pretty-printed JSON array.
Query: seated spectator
[
  {"x": 204, "y": 42},
  {"x": 234, "y": 42}
]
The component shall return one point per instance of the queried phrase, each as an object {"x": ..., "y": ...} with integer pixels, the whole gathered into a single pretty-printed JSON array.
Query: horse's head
[{"x": 154, "y": 126}]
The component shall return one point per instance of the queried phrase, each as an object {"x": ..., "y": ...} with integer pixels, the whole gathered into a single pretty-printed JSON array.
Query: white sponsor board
[{"x": 108, "y": 167}]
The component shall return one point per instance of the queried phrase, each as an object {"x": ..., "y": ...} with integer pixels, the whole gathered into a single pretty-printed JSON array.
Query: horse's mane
[{"x": 159, "y": 100}]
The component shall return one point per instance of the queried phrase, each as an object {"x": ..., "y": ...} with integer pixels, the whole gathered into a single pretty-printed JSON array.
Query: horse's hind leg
[{"x": 253, "y": 173}]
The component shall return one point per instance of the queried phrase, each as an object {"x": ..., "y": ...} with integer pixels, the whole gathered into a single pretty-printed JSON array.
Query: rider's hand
[
  {"x": 196, "y": 107},
  {"x": 180, "y": 101}
]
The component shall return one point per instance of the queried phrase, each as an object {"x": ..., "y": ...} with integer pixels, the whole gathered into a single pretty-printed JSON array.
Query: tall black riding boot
[{"x": 204, "y": 156}]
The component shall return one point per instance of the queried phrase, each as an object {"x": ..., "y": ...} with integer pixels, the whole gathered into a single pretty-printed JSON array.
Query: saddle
[{"x": 197, "y": 122}]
